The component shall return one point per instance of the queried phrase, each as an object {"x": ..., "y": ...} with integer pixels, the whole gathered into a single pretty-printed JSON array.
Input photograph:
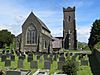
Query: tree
[
  {"x": 70, "y": 67},
  {"x": 6, "y": 38},
  {"x": 94, "y": 34}
]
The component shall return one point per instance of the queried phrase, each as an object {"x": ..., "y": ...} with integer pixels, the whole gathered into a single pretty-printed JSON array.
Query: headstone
[
  {"x": 18, "y": 53},
  {"x": 84, "y": 62},
  {"x": 12, "y": 57},
  {"x": 3, "y": 58},
  {"x": 50, "y": 59},
  {"x": 51, "y": 55},
  {"x": 55, "y": 57},
  {"x": 62, "y": 54},
  {"x": 45, "y": 56},
  {"x": 7, "y": 63},
  {"x": 8, "y": 55},
  {"x": 47, "y": 65},
  {"x": 30, "y": 58},
  {"x": 60, "y": 65},
  {"x": 62, "y": 59},
  {"x": 13, "y": 73},
  {"x": 20, "y": 63},
  {"x": 34, "y": 64},
  {"x": 74, "y": 56},
  {"x": 0, "y": 55},
  {"x": 38, "y": 57},
  {"x": 21, "y": 57}
]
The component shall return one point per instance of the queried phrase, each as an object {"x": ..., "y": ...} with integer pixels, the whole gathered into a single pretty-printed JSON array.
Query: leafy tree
[
  {"x": 70, "y": 67},
  {"x": 94, "y": 34},
  {"x": 6, "y": 38}
]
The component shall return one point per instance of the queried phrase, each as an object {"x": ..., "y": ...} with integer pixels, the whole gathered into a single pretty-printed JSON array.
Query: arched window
[{"x": 31, "y": 35}]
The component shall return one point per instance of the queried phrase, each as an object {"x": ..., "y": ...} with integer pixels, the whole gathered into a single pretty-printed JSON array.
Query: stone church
[{"x": 37, "y": 37}]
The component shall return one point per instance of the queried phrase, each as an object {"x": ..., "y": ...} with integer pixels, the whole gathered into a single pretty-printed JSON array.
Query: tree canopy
[
  {"x": 94, "y": 34},
  {"x": 6, "y": 38}
]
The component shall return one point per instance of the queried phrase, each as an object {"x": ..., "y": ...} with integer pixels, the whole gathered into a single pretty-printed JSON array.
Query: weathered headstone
[
  {"x": 50, "y": 59},
  {"x": 3, "y": 58},
  {"x": 0, "y": 55},
  {"x": 55, "y": 57},
  {"x": 84, "y": 62},
  {"x": 30, "y": 58},
  {"x": 21, "y": 57},
  {"x": 60, "y": 65},
  {"x": 74, "y": 56},
  {"x": 38, "y": 57},
  {"x": 12, "y": 57},
  {"x": 13, "y": 73},
  {"x": 62, "y": 59},
  {"x": 7, "y": 63},
  {"x": 34, "y": 64},
  {"x": 47, "y": 65},
  {"x": 20, "y": 63},
  {"x": 45, "y": 56}
]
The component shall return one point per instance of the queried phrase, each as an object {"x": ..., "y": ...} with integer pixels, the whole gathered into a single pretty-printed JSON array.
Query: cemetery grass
[{"x": 83, "y": 70}]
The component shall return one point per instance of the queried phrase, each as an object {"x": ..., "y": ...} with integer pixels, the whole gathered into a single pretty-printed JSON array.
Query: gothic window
[
  {"x": 31, "y": 35},
  {"x": 69, "y": 18}
]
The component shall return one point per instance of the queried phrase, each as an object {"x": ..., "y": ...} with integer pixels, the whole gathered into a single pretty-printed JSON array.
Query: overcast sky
[{"x": 14, "y": 12}]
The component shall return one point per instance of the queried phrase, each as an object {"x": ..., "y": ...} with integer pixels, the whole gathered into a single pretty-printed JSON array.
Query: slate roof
[
  {"x": 57, "y": 43},
  {"x": 43, "y": 25}
]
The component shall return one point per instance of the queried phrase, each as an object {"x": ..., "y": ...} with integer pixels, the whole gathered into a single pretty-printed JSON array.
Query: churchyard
[{"x": 31, "y": 61}]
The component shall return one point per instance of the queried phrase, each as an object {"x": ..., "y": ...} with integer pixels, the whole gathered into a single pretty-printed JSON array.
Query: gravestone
[
  {"x": 20, "y": 63},
  {"x": 84, "y": 62},
  {"x": 8, "y": 55},
  {"x": 55, "y": 57},
  {"x": 12, "y": 57},
  {"x": 34, "y": 64},
  {"x": 50, "y": 59},
  {"x": 62, "y": 54},
  {"x": 30, "y": 58},
  {"x": 7, "y": 63},
  {"x": 3, "y": 58},
  {"x": 60, "y": 65},
  {"x": 74, "y": 56},
  {"x": 13, "y": 73},
  {"x": 62, "y": 59},
  {"x": 51, "y": 55},
  {"x": 21, "y": 57},
  {"x": 47, "y": 65},
  {"x": 0, "y": 55},
  {"x": 45, "y": 56},
  {"x": 38, "y": 57}
]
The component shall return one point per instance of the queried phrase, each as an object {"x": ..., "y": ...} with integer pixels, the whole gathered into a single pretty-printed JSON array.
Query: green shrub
[{"x": 70, "y": 67}]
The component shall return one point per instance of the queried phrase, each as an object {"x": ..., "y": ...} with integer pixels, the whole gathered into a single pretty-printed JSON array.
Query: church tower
[{"x": 69, "y": 29}]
